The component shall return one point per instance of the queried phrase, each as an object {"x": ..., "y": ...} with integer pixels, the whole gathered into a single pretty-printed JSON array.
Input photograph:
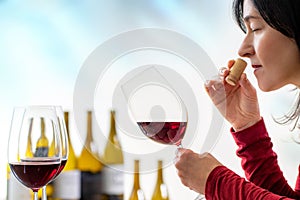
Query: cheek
[
  {"x": 280, "y": 58},
  {"x": 275, "y": 51},
  {"x": 266, "y": 48},
  {"x": 268, "y": 52}
]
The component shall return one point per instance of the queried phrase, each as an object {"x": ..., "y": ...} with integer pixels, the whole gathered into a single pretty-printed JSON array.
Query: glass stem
[
  {"x": 179, "y": 145},
  {"x": 44, "y": 193},
  {"x": 35, "y": 196}
]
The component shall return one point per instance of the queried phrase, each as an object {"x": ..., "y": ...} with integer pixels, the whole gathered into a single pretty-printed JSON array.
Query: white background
[{"x": 44, "y": 44}]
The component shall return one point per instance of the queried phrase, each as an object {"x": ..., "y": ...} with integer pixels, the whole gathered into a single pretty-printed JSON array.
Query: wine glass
[
  {"x": 157, "y": 108},
  {"x": 168, "y": 130},
  {"x": 34, "y": 165},
  {"x": 64, "y": 144}
]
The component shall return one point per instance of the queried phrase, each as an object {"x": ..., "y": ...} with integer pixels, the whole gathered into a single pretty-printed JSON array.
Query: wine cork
[{"x": 236, "y": 71}]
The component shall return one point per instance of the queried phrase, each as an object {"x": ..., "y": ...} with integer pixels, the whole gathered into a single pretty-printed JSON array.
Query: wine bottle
[
  {"x": 137, "y": 193},
  {"x": 160, "y": 191},
  {"x": 90, "y": 166},
  {"x": 67, "y": 184},
  {"x": 112, "y": 172},
  {"x": 42, "y": 146},
  {"x": 72, "y": 159}
]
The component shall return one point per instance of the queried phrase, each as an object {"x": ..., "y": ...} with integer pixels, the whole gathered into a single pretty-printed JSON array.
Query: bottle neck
[
  {"x": 159, "y": 172},
  {"x": 113, "y": 153},
  {"x": 42, "y": 145},
  {"x": 89, "y": 136},
  {"x": 66, "y": 117},
  {"x": 160, "y": 176},
  {"x": 72, "y": 159},
  {"x": 43, "y": 128},
  {"x": 112, "y": 131},
  {"x": 136, "y": 180}
]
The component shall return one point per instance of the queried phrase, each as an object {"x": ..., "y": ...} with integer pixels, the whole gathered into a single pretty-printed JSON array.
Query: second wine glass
[{"x": 64, "y": 145}]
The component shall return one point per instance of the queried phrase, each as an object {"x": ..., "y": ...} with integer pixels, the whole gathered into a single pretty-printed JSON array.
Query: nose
[{"x": 246, "y": 48}]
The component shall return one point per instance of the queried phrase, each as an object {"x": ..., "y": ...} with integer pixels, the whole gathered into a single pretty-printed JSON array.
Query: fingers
[
  {"x": 230, "y": 63},
  {"x": 178, "y": 153},
  {"x": 245, "y": 83},
  {"x": 223, "y": 71},
  {"x": 216, "y": 91},
  {"x": 181, "y": 154},
  {"x": 211, "y": 86}
]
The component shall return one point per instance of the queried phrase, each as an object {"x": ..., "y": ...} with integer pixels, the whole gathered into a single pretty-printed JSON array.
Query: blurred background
[{"x": 43, "y": 45}]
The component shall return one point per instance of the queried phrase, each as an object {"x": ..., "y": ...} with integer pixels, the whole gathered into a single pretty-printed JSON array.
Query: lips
[{"x": 256, "y": 66}]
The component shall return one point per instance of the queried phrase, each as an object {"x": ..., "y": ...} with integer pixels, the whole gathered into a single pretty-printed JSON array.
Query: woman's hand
[
  {"x": 194, "y": 169},
  {"x": 238, "y": 104}
]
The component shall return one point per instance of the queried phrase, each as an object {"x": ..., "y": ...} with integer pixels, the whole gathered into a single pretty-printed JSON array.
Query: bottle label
[
  {"x": 67, "y": 185},
  {"x": 113, "y": 179},
  {"x": 140, "y": 194},
  {"x": 41, "y": 152},
  {"x": 91, "y": 185},
  {"x": 164, "y": 191}
]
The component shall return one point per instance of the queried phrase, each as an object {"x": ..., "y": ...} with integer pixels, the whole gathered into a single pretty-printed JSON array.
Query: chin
[{"x": 267, "y": 88}]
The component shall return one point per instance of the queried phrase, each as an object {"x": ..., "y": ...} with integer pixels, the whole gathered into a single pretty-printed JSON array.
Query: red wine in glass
[
  {"x": 61, "y": 167},
  {"x": 35, "y": 174},
  {"x": 164, "y": 132}
]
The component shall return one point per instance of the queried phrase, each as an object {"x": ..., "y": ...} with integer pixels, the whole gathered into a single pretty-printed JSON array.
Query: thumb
[
  {"x": 246, "y": 84},
  {"x": 230, "y": 63}
]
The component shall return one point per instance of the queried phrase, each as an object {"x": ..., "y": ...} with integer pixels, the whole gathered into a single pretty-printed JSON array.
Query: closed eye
[{"x": 256, "y": 29}]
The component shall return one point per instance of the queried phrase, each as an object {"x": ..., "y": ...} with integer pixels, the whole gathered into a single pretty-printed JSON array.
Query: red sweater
[{"x": 264, "y": 177}]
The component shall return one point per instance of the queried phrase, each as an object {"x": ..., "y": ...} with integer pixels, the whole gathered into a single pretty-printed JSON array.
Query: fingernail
[{"x": 222, "y": 70}]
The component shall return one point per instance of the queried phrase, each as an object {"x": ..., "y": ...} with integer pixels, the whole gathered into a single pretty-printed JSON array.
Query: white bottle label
[
  {"x": 164, "y": 190},
  {"x": 17, "y": 190},
  {"x": 113, "y": 179},
  {"x": 67, "y": 185}
]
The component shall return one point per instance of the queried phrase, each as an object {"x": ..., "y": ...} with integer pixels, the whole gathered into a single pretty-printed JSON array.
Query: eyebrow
[{"x": 249, "y": 17}]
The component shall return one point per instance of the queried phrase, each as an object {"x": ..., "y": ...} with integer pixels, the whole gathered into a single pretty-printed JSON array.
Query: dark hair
[{"x": 284, "y": 16}]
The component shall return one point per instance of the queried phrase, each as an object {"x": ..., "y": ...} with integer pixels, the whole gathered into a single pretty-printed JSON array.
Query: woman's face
[{"x": 274, "y": 57}]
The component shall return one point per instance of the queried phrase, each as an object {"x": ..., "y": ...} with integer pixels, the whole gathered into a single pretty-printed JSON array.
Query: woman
[{"x": 272, "y": 44}]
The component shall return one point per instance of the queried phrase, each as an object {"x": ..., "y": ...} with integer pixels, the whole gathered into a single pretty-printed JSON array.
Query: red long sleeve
[
  {"x": 297, "y": 188},
  {"x": 223, "y": 184},
  {"x": 259, "y": 162}
]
